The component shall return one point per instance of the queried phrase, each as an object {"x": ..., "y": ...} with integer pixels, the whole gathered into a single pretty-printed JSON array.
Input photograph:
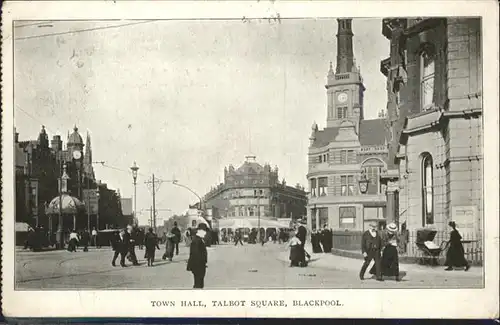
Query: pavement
[
  {"x": 331, "y": 261},
  {"x": 229, "y": 267}
]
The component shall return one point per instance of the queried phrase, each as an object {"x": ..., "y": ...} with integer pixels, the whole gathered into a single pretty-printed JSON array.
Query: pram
[{"x": 430, "y": 251}]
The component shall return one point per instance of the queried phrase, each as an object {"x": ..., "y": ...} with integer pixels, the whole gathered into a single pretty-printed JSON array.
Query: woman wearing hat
[
  {"x": 390, "y": 260},
  {"x": 169, "y": 246},
  {"x": 455, "y": 256}
]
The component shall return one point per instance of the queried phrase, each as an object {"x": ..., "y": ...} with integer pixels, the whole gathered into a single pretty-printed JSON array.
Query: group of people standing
[
  {"x": 125, "y": 241},
  {"x": 322, "y": 241},
  {"x": 381, "y": 246},
  {"x": 298, "y": 254}
]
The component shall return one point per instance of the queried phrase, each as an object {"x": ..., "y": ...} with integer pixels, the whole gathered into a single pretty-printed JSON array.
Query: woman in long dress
[
  {"x": 455, "y": 256},
  {"x": 390, "y": 258},
  {"x": 169, "y": 247},
  {"x": 296, "y": 251},
  {"x": 73, "y": 241}
]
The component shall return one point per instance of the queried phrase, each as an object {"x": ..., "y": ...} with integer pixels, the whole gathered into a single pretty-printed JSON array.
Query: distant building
[
  {"x": 128, "y": 212},
  {"x": 38, "y": 168},
  {"x": 254, "y": 190},
  {"x": 347, "y": 157},
  {"x": 434, "y": 88}
]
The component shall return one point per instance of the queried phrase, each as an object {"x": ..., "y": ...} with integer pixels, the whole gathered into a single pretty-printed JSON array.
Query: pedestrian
[
  {"x": 151, "y": 243},
  {"x": 371, "y": 243},
  {"x": 177, "y": 233},
  {"x": 296, "y": 252},
  {"x": 73, "y": 241},
  {"x": 85, "y": 240},
  {"x": 315, "y": 242},
  {"x": 141, "y": 238},
  {"x": 130, "y": 238},
  {"x": 187, "y": 236},
  {"x": 262, "y": 236},
  {"x": 120, "y": 247},
  {"x": 197, "y": 262},
  {"x": 389, "y": 265},
  {"x": 237, "y": 238},
  {"x": 169, "y": 246},
  {"x": 455, "y": 256},
  {"x": 94, "y": 237},
  {"x": 326, "y": 239}
]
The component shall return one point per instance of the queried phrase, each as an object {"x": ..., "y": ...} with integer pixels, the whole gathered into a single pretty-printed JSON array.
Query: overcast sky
[{"x": 186, "y": 98}]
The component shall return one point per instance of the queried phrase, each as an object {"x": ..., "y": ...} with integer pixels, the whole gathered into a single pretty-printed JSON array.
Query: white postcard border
[{"x": 359, "y": 303}]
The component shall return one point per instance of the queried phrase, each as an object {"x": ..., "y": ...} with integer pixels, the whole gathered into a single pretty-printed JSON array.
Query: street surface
[{"x": 229, "y": 267}]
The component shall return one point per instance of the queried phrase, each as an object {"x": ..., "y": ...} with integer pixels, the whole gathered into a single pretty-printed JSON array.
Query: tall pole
[
  {"x": 258, "y": 217},
  {"x": 154, "y": 206},
  {"x": 135, "y": 199},
  {"x": 88, "y": 203}
]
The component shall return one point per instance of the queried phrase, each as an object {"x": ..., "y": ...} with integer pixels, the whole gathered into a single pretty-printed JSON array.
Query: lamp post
[
  {"x": 176, "y": 182},
  {"x": 363, "y": 183},
  {"x": 134, "y": 170}
]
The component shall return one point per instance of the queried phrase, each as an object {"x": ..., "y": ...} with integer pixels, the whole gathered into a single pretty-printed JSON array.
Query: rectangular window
[
  {"x": 341, "y": 112},
  {"x": 323, "y": 216},
  {"x": 320, "y": 159},
  {"x": 373, "y": 175},
  {"x": 347, "y": 185},
  {"x": 426, "y": 80},
  {"x": 313, "y": 187},
  {"x": 347, "y": 217},
  {"x": 347, "y": 157},
  {"x": 322, "y": 186}
]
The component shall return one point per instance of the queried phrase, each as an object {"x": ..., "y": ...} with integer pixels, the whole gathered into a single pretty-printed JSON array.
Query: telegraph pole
[{"x": 154, "y": 182}]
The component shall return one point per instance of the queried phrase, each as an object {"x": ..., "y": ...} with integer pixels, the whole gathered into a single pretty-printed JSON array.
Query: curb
[{"x": 407, "y": 267}]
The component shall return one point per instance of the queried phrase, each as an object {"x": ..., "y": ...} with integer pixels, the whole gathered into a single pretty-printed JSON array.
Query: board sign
[{"x": 466, "y": 218}]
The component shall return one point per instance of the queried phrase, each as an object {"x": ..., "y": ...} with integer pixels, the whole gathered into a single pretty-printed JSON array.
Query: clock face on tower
[
  {"x": 342, "y": 97},
  {"x": 77, "y": 154}
]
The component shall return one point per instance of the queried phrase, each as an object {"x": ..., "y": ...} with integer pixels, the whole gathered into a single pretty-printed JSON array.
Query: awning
[{"x": 252, "y": 222}]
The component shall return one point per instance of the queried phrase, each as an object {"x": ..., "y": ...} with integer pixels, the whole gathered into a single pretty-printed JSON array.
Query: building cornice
[{"x": 422, "y": 25}]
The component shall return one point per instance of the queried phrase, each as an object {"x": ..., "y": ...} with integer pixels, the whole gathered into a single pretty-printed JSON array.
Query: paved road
[{"x": 229, "y": 267}]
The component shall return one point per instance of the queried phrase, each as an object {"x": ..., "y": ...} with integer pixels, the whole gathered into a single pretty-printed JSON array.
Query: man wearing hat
[
  {"x": 371, "y": 244},
  {"x": 177, "y": 233},
  {"x": 197, "y": 262},
  {"x": 390, "y": 261}
]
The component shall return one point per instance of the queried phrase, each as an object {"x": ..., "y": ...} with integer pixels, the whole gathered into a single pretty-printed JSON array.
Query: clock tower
[{"x": 344, "y": 86}]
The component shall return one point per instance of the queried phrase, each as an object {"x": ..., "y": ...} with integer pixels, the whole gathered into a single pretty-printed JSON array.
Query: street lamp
[
  {"x": 363, "y": 183},
  {"x": 176, "y": 182},
  {"x": 134, "y": 170}
]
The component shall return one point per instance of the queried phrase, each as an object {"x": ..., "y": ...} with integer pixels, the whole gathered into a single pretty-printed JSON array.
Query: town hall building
[{"x": 348, "y": 156}]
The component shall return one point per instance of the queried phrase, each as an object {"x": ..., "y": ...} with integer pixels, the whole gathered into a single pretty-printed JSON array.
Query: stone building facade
[
  {"x": 38, "y": 168},
  {"x": 348, "y": 156},
  {"x": 254, "y": 190},
  {"x": 434, "y": 112}
]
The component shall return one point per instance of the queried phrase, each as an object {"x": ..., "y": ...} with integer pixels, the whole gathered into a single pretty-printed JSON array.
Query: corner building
[
  {"x": 348, "y": 157},
  {"x": 253, "y": 190},
  {"x": 434, "y": 87}
]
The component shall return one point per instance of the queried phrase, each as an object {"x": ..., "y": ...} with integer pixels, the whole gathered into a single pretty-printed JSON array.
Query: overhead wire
[{"x": 85, "y": 30}]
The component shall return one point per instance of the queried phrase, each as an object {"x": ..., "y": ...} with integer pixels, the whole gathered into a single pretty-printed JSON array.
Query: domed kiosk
[{"x": 65, "y": 206}]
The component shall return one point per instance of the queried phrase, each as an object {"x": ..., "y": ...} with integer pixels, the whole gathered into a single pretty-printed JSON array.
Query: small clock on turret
[{"x": 77, "y": 154}]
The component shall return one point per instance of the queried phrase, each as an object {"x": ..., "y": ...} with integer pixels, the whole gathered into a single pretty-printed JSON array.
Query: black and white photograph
[{"x": 249, "y": 153}]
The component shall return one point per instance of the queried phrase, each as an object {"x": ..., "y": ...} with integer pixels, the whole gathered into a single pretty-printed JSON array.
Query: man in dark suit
[
  {"x": 177, "y": 233},
  {"x": 371, "y": 244},
  {"x": 197, "y": 262},
  {"x": 120, "y": 247}
]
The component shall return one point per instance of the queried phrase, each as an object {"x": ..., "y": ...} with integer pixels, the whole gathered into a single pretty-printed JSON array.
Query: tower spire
[{"x": 345, "y": 54}]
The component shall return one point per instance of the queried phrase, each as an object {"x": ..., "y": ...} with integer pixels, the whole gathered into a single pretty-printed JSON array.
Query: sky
[{"x": 185, "y": 98}]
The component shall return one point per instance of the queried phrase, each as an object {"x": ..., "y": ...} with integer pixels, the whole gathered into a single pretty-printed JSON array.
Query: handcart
[{"x": 430, "y": 251}]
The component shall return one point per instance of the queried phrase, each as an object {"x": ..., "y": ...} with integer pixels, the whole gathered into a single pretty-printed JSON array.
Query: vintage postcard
[{"x": 250, "y": 159}]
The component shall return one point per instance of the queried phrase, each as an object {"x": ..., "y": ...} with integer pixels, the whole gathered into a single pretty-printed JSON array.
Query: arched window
[
  {"x": 372, "y": 168},
  {"x": 427, "y": 190},
  {"x": 427, "y": 70}
]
